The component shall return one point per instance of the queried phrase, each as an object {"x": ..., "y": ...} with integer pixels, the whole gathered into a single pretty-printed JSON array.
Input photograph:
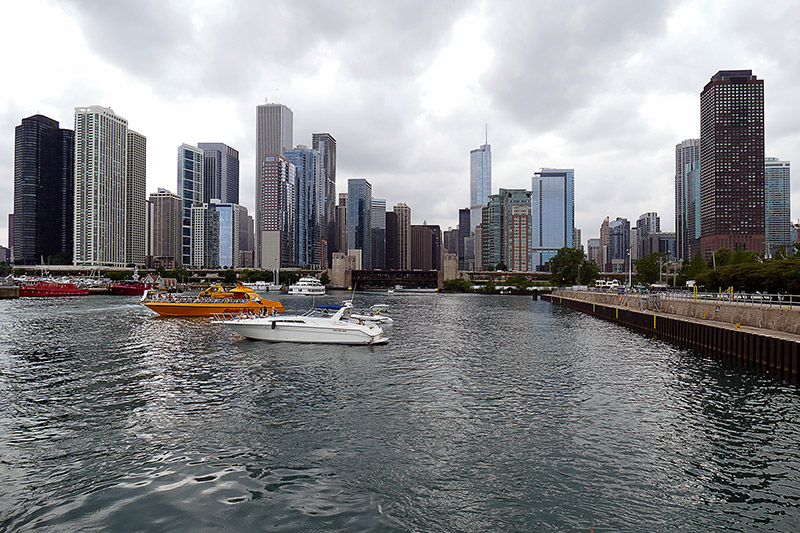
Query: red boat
[
  {"x": 130, "y": 288},
  {"x": 51, "y": 288}
]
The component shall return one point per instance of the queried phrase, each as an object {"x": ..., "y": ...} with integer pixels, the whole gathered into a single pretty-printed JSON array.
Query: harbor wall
[
  {"x": 765, "y": 349},
  {"x": 9, "y": 291}
]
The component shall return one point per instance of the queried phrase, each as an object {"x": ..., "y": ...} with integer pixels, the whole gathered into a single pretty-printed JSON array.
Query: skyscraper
[
  {"x": 276, "y": 206},
  {"x": 190, "y": 189},
  {"x": 777, "y": 216},
  {"x": 391, "y": 241},
  {"x": 325, "y": 144},
  {"x": 359, "y": 219},
  {"x": 228, "y": 234},
  {"x": 464, "y": 229},
  {"x": 167, "y": 225},
  {"x": 647, "y": 224},
  {"x": 491, "y": 242},
  {"x": 620, "y": 233},
  {"x": 220, "y": 172},
  {"x": 136, "y": 204},
  {"x": 480, "y": 182},
  {"x": 552, "y": 213},
  {"x": 204, "y": 236},
  {"x": 687, "y": 157},
  {"x": 517, "y": 229},
  {"x": 308, "y": 205},
  {"x": 44, "y": 167},
  {"x": 378, "y": 221},
  {"x": 732, "y": 162},
  {"x": 403, "y": 213},
  {"x": 274, "y": 135},
  {"x": 101, "y": 159},
  {"x": 341, "y": 223}
]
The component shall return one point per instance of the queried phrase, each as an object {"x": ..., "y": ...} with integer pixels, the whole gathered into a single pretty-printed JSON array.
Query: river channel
[{"x": 482, "y": 413}]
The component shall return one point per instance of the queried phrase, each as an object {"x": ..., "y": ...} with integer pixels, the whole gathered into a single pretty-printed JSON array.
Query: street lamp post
[{"x": 630, "y": 266}]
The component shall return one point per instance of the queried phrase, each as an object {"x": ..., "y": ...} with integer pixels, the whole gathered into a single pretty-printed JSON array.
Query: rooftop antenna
[{"x": 487, "y": 133}]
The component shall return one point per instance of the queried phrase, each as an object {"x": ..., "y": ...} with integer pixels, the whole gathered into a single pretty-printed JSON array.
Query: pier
[{"x": 764, "y": 335}]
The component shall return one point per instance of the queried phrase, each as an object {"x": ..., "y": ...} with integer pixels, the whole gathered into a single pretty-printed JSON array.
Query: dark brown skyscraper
[{"x": 732, "y": 162}]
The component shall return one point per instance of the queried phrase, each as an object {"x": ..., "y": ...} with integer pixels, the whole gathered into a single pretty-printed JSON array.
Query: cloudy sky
[{"x": 607, "y": 88}]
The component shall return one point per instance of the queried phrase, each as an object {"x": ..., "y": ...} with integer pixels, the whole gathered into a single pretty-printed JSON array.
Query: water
[{"x": 481, "y": 414}]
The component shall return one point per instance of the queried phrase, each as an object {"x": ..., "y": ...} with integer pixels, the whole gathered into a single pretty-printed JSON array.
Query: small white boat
[
  {"x": 319, "y": 325},
  {"x": 309, "y": 286},
  {"x": 263, "y": 286},
  {"x": 376, "y": 313}
]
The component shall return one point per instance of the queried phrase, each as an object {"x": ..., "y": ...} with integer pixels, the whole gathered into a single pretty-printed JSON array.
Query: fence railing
[{"x": 756, "y": 299}]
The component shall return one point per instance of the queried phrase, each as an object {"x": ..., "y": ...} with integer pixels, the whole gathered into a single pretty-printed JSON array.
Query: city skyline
[{"x": 406, "y": 122}]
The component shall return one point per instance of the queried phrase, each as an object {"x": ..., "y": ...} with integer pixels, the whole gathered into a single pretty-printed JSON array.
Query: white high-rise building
[
  {"x": 480, "y": 183},
  {"x": 136, "y": 209},
  {"x": 274, "y": 136},
  {"x": 190, "y": 189},
  {"x": 687, "y": 209},
  {"x": 101, "y": 153}
]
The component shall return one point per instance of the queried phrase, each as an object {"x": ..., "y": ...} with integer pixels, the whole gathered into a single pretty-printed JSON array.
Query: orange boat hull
[{"x": 211, "y": 308}]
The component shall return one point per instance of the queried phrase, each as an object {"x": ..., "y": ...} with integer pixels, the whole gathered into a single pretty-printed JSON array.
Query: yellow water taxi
[{"x": 214, "y": 300}]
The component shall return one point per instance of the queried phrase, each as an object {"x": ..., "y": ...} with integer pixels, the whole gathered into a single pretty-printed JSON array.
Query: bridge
[{"x": 424, "y": 277}]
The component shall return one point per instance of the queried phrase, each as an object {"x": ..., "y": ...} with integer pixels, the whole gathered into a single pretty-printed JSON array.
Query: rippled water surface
[{"x": 481, "y": 414}]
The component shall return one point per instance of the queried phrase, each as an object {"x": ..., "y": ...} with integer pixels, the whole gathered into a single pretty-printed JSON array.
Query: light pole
[{"x": 630, "y": 266}]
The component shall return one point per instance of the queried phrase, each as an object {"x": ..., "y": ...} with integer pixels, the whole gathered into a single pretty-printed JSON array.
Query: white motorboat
[
  {"x": 263, "y": 286},
  {"x": 376, "y": 313},
  {"x": 309, "y": 286},
  {"x": 320, "y": 325}
]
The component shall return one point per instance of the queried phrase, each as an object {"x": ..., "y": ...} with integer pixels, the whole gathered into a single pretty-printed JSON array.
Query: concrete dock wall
[{"x": 763, "y": 348}]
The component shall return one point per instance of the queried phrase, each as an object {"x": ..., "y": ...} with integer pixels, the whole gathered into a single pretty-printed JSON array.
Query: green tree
[
  {"x": 570, "y": 267},
  {"x": 648, "y": 268},
  {"x": 229, "y": 277},
  {"x": 501, "y": 267},
  {"x": 457, "y": 285},
  {"x": 519, "y": 281},
  {"x": 325, "y": 279},
  {"x": 742, "y": 256},
  {"x": 720, "y": 258}
]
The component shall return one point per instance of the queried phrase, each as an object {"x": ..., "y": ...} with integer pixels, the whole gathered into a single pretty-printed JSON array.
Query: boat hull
[
  {"x": 207, "y": 309},
  {"x": 279, "y": 329},
  {"x": 51, "y": 290},
  {"x": 129, "y": 289}
]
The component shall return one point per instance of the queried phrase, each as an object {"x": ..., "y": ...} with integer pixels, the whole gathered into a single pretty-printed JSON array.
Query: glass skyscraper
[
  {"x": 777, "y": 216},
  {"x": 359, "y": 219},
  {"x": 480, "y": 182},
  {"x": 552, "y": 213},
  {"x": 220, "y": 172},
  {"x": 44, "y": 166},
  {"x": 687, "y": 157},
  {"x": 190, "y": 189},
  {"x": 309, "y": 193},
  {"x": 325, "y": 144}
]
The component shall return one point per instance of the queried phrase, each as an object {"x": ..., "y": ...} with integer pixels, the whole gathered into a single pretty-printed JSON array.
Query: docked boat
[
  {"x": 44, "y": 288},
  {"x": 129, "y": 287},
  {"x": 309, "y": 286},
  {"x": 263, "y": 286},
  {"x": 320, "y": 325},
  {"x": 211, "y": 301}
]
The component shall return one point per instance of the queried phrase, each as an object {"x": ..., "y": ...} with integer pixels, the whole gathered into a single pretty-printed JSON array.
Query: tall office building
[
  {"x": 341, "y": 223},
  {"x": 167, "y": 226},
  {"x": 552, "y": 213},
  {"x": 274, "y": 135},
  {"x": 687, "y": 158},
  {"x": 44, "y": 173},
  {"x": 593, "y": 252},
  {"x": 392, "y": 260},
  {"x": 205, "y": 221},
  {"x": 190, "y": 189},
  {"x": 309, "y": 192},
  {"x": 101, "y": 159},
  {"x": 359, "y": 219},
  {"x": 136, "y": 208},
  {"x": 228, "y": 238},
  {"x": 732, "y": 162},
  {"x": 480, "y": 182},
  {"x": 647, "y": 224},
  {"x": 426, "y": 247},
  {"x": 378, "y": 223},
  {"x": 692, "y": 212},
  {"x": 777, "y": 216},
  {"x": 220, "y": 172},
  {"x": 491, "y": 242},
  {"x": 620, "y": 244},
  {"x": 403, "y": 213},
  {"x": 325, "y": 144},
  {"x": 464, "y": 229},
  {"x": 516, "y": 232},
  {"x": 277, "y": 219}
]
